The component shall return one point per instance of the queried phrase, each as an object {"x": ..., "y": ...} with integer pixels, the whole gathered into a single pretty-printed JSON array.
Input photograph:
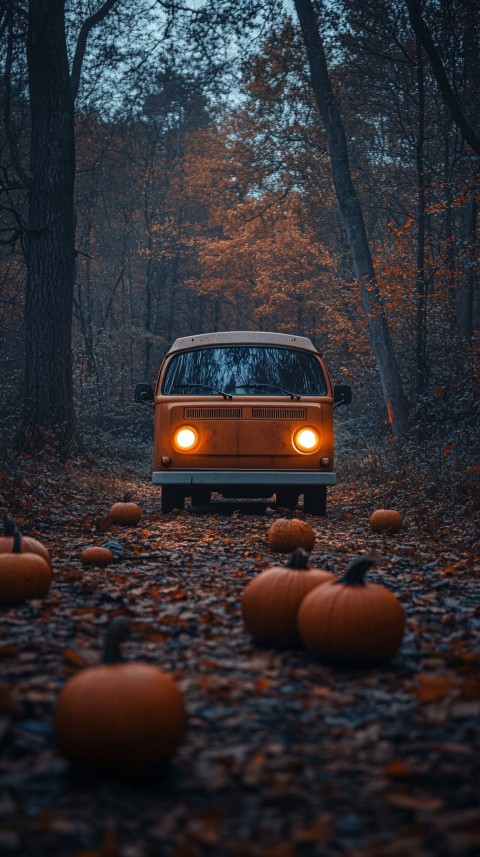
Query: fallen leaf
[
  {"x": 416, "y": 803},
  {"x": 433, "y": 687}
]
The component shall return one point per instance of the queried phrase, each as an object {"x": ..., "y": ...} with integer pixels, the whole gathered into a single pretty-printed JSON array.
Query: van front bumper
[{"x": 243, "y": 477}]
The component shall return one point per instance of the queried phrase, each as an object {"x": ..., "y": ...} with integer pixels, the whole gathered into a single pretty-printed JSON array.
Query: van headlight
[
  {"x": 306, "y": 440},
  {"x": 185, "y": 438}
]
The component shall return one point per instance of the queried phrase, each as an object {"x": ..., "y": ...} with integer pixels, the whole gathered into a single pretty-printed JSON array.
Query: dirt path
[{"x": 284, "y": 756}]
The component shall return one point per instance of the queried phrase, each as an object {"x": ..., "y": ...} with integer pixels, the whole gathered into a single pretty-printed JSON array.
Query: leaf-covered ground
[{"x": 284, "y": 756}]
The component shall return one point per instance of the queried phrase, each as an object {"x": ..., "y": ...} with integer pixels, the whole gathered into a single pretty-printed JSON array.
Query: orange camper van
[{"x": 244, "y": 414}]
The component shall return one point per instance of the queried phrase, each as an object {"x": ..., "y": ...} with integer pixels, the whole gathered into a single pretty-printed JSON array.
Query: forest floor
[{"x": 284, "y": 756}]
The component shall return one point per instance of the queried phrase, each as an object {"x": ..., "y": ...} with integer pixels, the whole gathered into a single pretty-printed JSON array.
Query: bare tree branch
[
  {"x": 424, "y": 36},
  {"x": 87, "y": 26}
]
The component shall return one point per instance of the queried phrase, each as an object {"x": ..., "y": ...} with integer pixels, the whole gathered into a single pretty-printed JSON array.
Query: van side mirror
[
  {"x": 342, "y": 394},
  {"x": 144, "y": 393}
]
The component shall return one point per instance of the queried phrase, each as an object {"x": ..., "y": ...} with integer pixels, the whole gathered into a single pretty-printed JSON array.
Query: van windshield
[{"x": 244, "y": 370}]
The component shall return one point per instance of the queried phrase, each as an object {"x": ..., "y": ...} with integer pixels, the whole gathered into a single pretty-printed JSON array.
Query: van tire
[
  {"x": 315, "y": 500},
  {"x": 287, "y": 497},
  {"x": 200, "y": 496},
  {"x": 172, "y": 498}
]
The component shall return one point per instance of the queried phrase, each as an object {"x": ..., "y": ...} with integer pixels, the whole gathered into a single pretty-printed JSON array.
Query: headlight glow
[
  {"x": 185, "y": 438},
  {"x": 306, "y": 440}
]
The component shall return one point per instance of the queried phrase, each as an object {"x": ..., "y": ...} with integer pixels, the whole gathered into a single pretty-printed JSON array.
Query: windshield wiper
[
  {"x": 202, "y": 387},
  {"x": 271, "y": 387}
]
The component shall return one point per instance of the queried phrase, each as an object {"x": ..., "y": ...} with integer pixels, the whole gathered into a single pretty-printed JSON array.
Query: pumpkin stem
[
  {"x": 17, "y": 541},
  {"x": 299, "y": 560},
  {"x": 128, "y": 496},
  {"x": 8, "y": 524},
  {"x": 117, "y": 632},
  {"x": 356, "y": 571}
]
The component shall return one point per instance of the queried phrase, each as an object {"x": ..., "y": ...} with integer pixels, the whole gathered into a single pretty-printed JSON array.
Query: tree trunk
[
  {"x": 149, "y": 284},
  {"x": 421, "y": 308},
  {"x": 48, "y": 413},
  {"x": 467, "y": 282},
  {"x": 352, "y": 215},
  {"x": 449, "y": 233}
]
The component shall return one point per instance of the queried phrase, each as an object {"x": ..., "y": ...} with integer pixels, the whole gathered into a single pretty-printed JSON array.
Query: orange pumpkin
[
  {"x": 22, "y": 575},
  {"x": 386, "y": 521},
  {"x": 28, "y": 544},
  {"x": 286, "y": 534},
  {"x": 350, "y": 621},
  {"x": 123, "y": 718},
  {"x": 125, "y": 512},
  {"x": 96, "y": 556},
  {"x": 271, "y": 600}
]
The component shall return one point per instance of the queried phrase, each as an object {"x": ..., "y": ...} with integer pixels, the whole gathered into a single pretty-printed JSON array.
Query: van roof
[{"x": 242, "y": 337}]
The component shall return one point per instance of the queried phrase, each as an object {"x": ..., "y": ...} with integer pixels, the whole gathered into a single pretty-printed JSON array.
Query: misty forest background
[
  {"x": 170, "y": 167},
  {"x": 166, "y": 169}
]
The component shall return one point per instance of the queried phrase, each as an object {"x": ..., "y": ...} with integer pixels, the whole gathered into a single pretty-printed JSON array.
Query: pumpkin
[
  {"x": 22, "y": 574},
  {"x": 386, "y": 521},
  {"x": 96, "y": 556},
  {"x": 119, "y": 717},
  {"x": 125, "y": 512},
  {"x": 351, "y": 621},
  {"x": 271, "y": 600},
  {"x": 286, "y": 534},
  {"x": 28, "y": 544}
]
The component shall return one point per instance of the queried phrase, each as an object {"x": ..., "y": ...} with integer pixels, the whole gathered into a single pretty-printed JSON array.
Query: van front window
[{"x": 244, "y": 370}]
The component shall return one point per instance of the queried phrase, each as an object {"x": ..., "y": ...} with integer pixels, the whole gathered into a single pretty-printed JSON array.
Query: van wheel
[
  {"x": 200, "y": 497},
  {"x": 172, "y": 498},
  {"x": 287, "y": 497},
  {"x": 315, "y": 500}
]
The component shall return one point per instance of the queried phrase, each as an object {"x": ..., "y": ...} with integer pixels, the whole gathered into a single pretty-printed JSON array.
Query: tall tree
[
  {"x": 352, "y": 215},
  {"x": 48, "y": 410}
]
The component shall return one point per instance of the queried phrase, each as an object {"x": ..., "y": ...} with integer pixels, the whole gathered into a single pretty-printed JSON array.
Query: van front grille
[
  {"x": 213, "y": 413},
  {"x": 279, "y": 413},
  {"x": 238, "y": 413}
]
